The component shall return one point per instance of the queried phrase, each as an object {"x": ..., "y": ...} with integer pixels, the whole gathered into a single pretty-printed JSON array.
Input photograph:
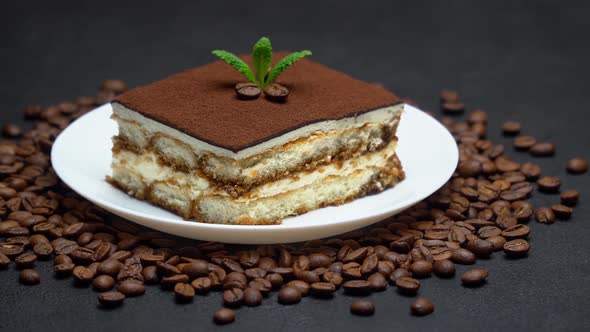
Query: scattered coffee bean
[
  {"x": 224, "y": 316},
  {"x": 516, "y": 248},
  {"x": 474, "y": 278},
  {"x": 184, "y": 292},
  {"x": 111, "y": 299},
  {"x": 252, "y": 297},
  {"x": 561, "y": 211},
  {"x": 362, "y": 308},
  {"x": 82, "y": 274},
  {"x": 453, "y": 107},
  {"x": 276, "y": 93},
  {"x": 449, "y": 96},
  {"x": 544, "y": 215},
  {"x": 444, "y": 268},
  {"x": 289, "y": 295},
  {"x": 10, "y": 130},
  {"x": 422, "y": 307},
  {"x": 322, "y": 289},
  {"x": 511, "y": 128},
  {"x": 549, "y": 184},
  {"x": 463, "y": 256},
  {"x": 131, "y": 288},
  {"x": 103, "y": 283},
  {"x": 407, "y": 285},
  {"x": 4, "y": 261},
  {"x": 25, "y": 261},
  {"x": 421, "y": 269},
  {"x": 542, "y": 149},
  {"x": 577, "y": 166},
  {"x": 29, "y": 277},
  {"x": 570, "y": 197},
  {"x": 524, "y": 142}
]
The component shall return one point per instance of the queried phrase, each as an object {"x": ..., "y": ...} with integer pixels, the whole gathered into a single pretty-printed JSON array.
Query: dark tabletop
[{"x": 520, "y": 60}]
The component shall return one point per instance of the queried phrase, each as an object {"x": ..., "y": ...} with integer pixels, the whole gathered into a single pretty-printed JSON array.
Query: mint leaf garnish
[
  {"x": 285, "y": 63},
  {"x": 261, "y": 57},
  {"x": 238, "y": 64}
]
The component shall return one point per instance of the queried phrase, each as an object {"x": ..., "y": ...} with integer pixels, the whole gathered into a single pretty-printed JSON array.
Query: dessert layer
[
  {"x": 146, "y": 177},
  {"x": 349, "y": 137},
  {"x": 201, "y": 103}
]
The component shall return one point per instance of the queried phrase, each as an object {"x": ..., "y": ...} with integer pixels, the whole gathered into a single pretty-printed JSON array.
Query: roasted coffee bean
[
  {"x": 322, "y": 289},
  {"x": 64, "y": 269},
  {"x": 488, "y": 231},
  {"x": 263, "y": 285},
  {"x": 25, "y": 261},
  {"x": 110, "y": 267},
  {"x": 196, "y": 269},
  {"x": 83, "y": 275},
  {"x": 511, "y": 128},
  {"x": 549, "y": 184},
  {"x": 398, "y": 273},
  {"x": 544, "y": 215},
  {"x": 276, "y": 93},
  {"x": 570, "y": 197},
  {"x": 444, "y": 268},
  {"x": 377, "y": 282},
  {"x": 289, "y": 295},
  {"x": 29, "y": 277},
  {"x": 224, "y": 316},
  {"x": 4, "y": 261},
  {"x": 202, "y": 285},
  {"x": 474, "y": 278},
  {"x": 448, "y": 95},
  {"x": 517, "y": 247},
  {"x": 542, "y": 149},
  {"x": 481, "y": 248},
  {"x": 497, "y": 242},
  {"x": 357, "y": 287},
  {"x": 422, "y": 307},
  {"x": 150, "y": 275},
  {"x": 524, "y": 142},
  {"x": 131, "y": 287},
  {"x": 319, "y": 260},
  {"x": 362, "y": 308},
  {"x": 233, "y": 297},
  {"x": 11, "y": 130},
  {"x": 577, "y": 166},
  {"x": 463, "y": 256},
  {"x": 519, "y": 231},
  {"x": 247, "y": 91},
  {"x": 561, "y": 211},
  {"x": 530, "y": 171},
  {"x": 421, "y": 269},
  {"x": 267, "y": 263},
  {"x": 252, "y": 297},
  {"x": 452, "y": 107},
  {"x": 184, "y": 292},
  {"x": 103, "y": 283},
  {"x": 407, "y": 285},
  {"x": 302, "y": 286},
  {"x": 111, "y": 299}
]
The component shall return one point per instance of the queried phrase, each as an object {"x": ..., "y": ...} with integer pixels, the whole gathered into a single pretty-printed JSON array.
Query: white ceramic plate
[{"x": 81, "y": 156}]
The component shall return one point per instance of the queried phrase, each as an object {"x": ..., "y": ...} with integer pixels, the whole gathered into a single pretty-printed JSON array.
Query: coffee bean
[
  {"x": 111, "y": 299},
  {"x": 103, "y": 283},
  {"x": 544, "y": 215},
  {"x": 422, "y": 307},
  {"x": 4, "y": 261},
  {"x": 64, "y": 269},
  {"x": 570, "y": 197},
  {"x": 577, "y": 166},
  {"x": 131, "y": 288},
  {"x": 444, "y": 268},
  {"x": 233, "y": 297},
  {"x": 421, "y": 269},
  {"x": 224, "y": 316},
  {"x": 477, "y": 116},
  {"x": 43, "y": 249},
  {"x": 302, "y": 286},
  {"x": 481, "y": 248},
  {"x": 362, "y": 308},
  {"x": 463, "y": 256},
  {"x": 116, "y": 86},
  {"x": 549, "y": 184},
  {"x": 289, "y": 295},
  {"x": 542, "y": 149},
  {"x": 530, "y": 171},
  {"x": 510, "y": 128},
  {"x": 497, "y": 242},
  {"x": 10, "y": 130},
  {"x": 263, "y": 285},
  {"x": 252, "y": 297},
  {"x": 276, "y": 93},
  {"x": 452, "y": 107},
  {"x": 449, "y": 96},
  {"x": 561, "y": 211},
  {"x": 407, "y": 285},
  {"x": 398, "y": 273},
  {"x": 474, "y": 278},
  {"x": 202, "y": 285},
  {"x": 516, "y": 248},
  {"x": 184, "y": 292},
  {"x": 357, "y": 287},
  {"x": 524, "y": 142},
  {"x": 82, "y": 274},
  {"x": 29, "y": 277},
  {"x": 519, "y": 231},
  {"x": 25, "y": 261},
  {"x": 110, "y": 267},
  {"x": 247, "y": 91}
]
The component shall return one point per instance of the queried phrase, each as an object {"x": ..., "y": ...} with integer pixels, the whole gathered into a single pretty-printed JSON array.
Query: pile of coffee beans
[{"x": 483, "y": 209}]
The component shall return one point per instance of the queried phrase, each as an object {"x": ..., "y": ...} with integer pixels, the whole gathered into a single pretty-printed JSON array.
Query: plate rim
[{"x": 377, "y": 215}]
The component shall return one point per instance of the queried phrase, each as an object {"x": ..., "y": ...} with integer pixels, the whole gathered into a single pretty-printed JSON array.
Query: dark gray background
[{"x": 521, "y": 60}]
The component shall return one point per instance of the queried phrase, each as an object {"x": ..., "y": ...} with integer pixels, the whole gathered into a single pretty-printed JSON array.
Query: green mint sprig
[{"x": 261, "y": 57}]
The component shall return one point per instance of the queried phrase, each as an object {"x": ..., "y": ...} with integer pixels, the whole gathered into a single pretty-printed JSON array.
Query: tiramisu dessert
[{"x": 212, "y": 147}]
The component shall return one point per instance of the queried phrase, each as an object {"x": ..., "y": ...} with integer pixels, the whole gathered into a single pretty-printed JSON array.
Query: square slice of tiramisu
[{"x": 189, "y": 145}]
